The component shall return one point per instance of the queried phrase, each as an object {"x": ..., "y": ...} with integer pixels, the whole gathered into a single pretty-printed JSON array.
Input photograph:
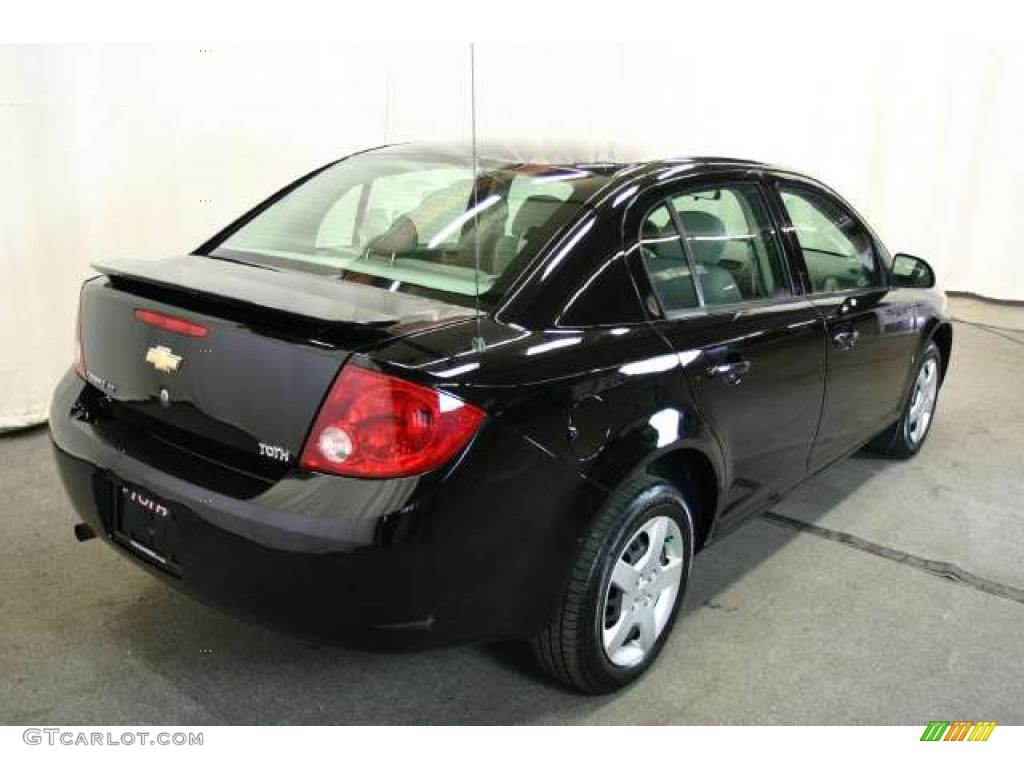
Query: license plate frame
[{"x": 147, "y": 526}]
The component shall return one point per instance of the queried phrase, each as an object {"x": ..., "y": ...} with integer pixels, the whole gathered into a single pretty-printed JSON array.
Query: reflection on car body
[{"x": 417, "y": 399}]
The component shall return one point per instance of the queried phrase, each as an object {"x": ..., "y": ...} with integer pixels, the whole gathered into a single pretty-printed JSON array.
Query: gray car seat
[
  {"x": 525, "y": 226},
  {"x": 705, "y": 233},
  {"x": 668, "y": 266}
]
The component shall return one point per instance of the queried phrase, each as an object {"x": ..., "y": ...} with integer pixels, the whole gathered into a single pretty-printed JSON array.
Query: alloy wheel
[
  {"x": 642, "y": 590},
  {"x": 922, "y": 401}
]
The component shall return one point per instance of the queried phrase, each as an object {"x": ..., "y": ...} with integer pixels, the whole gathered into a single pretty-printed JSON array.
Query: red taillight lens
[
  {"x": 172, "y": 324},
  {"x": 79, "y": 352},
  {"x": 373, "y": 425}
]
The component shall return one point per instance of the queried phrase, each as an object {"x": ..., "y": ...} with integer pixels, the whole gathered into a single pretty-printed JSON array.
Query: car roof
[
  {"x": 609, "y": 171},
  {"x": 608, "y": 160}
]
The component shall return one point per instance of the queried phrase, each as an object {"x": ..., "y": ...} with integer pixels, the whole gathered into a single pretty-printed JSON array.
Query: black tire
[
  {"x": 570, "y": 648},
  {"x": 896, "y": 441}
]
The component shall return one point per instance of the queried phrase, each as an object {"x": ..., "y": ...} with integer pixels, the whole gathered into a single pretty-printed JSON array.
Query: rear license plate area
[{"x": 148, "y": 527}]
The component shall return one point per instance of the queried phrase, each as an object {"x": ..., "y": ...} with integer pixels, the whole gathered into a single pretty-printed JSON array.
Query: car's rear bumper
[{"x": 482, "y": 552}]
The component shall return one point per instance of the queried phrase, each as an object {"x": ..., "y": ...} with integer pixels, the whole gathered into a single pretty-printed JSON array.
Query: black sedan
[{"x": 416, "y": 398}]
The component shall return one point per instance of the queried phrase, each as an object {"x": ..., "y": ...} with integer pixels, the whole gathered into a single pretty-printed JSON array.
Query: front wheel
[
  {"x": 905, "y": 438},
  {"x": 625, "y": 590}
]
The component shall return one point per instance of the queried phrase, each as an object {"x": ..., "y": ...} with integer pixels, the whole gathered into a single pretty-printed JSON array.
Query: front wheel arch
[{"x": 942, "y": 335}]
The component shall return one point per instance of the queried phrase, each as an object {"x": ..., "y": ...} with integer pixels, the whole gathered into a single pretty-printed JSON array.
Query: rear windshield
[{"x": 415, "y": 223}]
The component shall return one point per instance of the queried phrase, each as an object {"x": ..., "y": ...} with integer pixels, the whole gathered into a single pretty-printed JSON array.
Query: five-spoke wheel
[
  {"x": 642, "y": 591},
  {"x": 905, "y": 438},
  {"x": 922, "y": 400},
  {"x": 626, "y": 587}
]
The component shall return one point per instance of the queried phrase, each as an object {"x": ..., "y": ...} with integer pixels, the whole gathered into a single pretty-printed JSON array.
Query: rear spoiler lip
[{"x": 308, "y": 297}]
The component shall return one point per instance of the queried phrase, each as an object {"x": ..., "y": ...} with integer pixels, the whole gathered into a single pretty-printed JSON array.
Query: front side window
[
  {"x": 415, "y": 222},
  {"x": 837, "y": 250},
  {"x": 731, "y": 238}
]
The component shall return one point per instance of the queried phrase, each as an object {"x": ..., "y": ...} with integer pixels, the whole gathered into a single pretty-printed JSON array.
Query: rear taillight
[
  {"x": 79, "y": 352},
  {"x": 169, "y": 323},
  {"x": 374, "y": 425}
]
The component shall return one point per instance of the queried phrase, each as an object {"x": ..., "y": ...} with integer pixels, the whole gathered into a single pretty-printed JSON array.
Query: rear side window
[
  {"x": 665, "y": 257},
  {"x": 733, "y": 243},
  {"x": 837, "y": 250}
]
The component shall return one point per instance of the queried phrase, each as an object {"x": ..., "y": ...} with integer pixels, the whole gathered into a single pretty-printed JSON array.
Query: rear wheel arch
[
  {"x": 693, "y": 474},
  {"x": 574, "y": 645}
]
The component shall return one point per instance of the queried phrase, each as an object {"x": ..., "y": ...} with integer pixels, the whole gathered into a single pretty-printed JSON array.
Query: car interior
[
  {"x": 447, "y": 229},
  {"x": 735, "y": 253},
  {"x": 838, "y": 252}
]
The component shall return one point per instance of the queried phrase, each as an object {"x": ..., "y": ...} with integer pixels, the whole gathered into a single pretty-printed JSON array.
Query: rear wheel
[
  {"x": 625, "y": 591},
  {"x": 905, "y": 438}
]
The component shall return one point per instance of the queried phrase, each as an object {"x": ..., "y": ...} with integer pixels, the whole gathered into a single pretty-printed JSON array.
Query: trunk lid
[{"x": 229, "y": 409}]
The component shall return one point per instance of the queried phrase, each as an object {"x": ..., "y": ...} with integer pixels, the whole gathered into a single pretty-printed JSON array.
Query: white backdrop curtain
[{"x": 145, "y": 151}]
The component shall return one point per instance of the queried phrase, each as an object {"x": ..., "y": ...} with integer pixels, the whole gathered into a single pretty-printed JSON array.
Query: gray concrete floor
[{"x": 779, "y": 626}]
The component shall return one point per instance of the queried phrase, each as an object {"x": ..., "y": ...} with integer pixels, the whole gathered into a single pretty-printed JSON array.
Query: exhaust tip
[{"x": 83, "y": 532}]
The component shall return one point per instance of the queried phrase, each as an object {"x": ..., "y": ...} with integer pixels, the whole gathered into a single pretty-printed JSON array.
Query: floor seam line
[
  {"x": 995, "y": 330},
  {"x": 939, "y": 568}
]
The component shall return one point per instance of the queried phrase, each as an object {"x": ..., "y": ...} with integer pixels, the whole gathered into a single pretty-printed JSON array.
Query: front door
[{"x": 870, "y": 330}]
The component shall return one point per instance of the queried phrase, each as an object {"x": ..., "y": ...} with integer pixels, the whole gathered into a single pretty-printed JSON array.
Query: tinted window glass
[
  {"x": 416, "y": 222},
  {"x": 837, "y": 250},
  {"x": 666, "y": 261},
  {"x": 733, "y": 244},
  {"x": 337, "y": 229}
]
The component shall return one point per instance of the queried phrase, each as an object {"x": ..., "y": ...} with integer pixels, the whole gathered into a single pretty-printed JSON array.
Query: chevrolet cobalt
[{"x": 418, "y": 398}]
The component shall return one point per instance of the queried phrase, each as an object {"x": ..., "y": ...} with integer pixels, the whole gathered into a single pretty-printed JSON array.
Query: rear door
[
  {"x": 756, "y": 346},
  {"x": 870, "y": 330}
]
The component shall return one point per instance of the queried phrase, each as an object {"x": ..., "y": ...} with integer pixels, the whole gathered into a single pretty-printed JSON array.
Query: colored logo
[{"x": 958, "y": 730}]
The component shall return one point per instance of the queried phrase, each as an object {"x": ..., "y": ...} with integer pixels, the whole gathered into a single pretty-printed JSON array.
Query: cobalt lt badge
[{"x": 163, "y": 359}]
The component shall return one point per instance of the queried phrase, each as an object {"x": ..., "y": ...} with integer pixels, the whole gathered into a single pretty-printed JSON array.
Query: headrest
[
  {"x": 706, "y": 234},
  {"x": 651, "y": 231},
  {"x": 533, "y": 212},
  {"x": 400, "y": 238}
]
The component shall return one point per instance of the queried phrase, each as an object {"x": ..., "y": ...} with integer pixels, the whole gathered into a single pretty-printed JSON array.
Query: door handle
[
  {"x": 846, "y": 340},
  {"x": 730, "y": 373}
]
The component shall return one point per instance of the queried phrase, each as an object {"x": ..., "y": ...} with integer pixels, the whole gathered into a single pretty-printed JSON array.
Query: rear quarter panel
[{"x": 605, "y": 401}]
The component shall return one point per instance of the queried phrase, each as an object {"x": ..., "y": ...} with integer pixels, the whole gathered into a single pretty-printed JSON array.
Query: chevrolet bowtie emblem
[{"x": 163, "y": 359}]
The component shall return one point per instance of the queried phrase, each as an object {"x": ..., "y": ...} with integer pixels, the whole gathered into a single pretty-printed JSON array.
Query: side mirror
[{"x": 911, "y": 272}]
